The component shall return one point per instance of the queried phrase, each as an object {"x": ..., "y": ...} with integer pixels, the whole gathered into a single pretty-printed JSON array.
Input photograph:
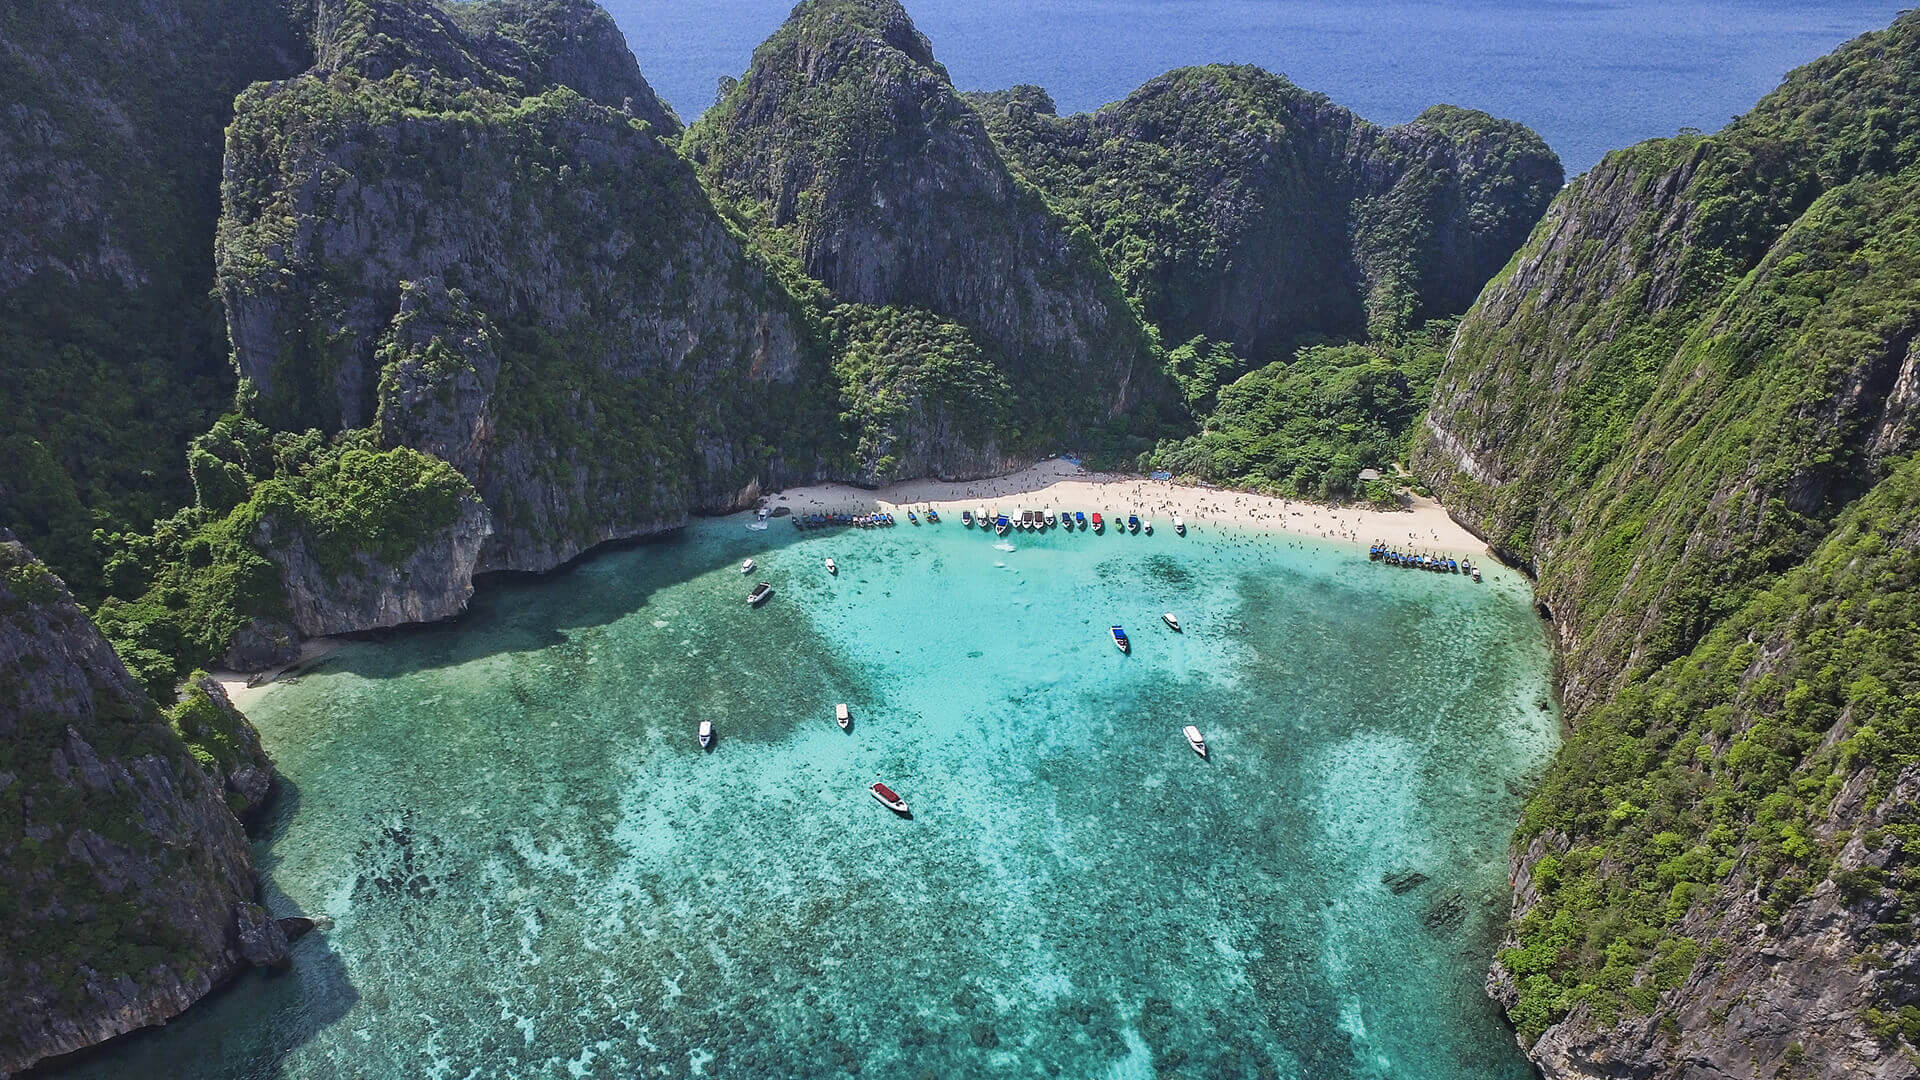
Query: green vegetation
[
  {"x": 1309, "y": 426},
  {"x": 114, "y": 356},
  {"x": 1683, "y": 387},
  {"x": 1234, "y": 205},
  {"x": 182, "y": 592},
  {"x": 1716, "y": 774},
  {"x": 903, "y": 371}
]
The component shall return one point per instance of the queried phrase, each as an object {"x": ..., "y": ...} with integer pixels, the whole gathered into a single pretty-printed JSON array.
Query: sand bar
[{"x": 1423, "y": 526}]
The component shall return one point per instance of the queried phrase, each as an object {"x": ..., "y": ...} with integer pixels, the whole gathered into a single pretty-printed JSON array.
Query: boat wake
[{"x": 1003, "y": 546}]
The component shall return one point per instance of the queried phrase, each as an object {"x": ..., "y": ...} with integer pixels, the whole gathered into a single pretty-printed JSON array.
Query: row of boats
[
  {"x": 1042, "y": 520},
  {"x": 856, "y": 521},
  {"x": 1381, "y": 553}
]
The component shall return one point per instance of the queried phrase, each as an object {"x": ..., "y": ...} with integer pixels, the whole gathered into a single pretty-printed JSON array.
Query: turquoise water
[{"x": 533, "y": 871}]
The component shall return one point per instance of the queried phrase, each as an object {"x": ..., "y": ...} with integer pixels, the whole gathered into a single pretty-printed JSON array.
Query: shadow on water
[
  {"x": 654, "y": 562},
  {"x": 246, "y": 1029}
]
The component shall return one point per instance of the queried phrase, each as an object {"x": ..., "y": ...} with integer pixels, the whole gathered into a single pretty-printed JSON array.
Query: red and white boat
[{"x": 888, "y": 799}]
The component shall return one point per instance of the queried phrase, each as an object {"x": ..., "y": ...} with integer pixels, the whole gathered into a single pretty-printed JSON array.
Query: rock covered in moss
[
  {"x": 846, "y": 148},
  {"x": 126, "y": 887},
  {"x": 543, "y": 293},
  {"x": 1233, "y": 204},
  {"x": 1687, "y": 405}
]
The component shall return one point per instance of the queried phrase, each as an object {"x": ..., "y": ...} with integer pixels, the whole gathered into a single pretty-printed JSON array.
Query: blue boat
[
  {"x": 1452, "y": 567},
  {"x": 1133, "y": 523},
  {"x": 1120, "y": 639},
  {"x": 966, "y": 518},
  {"x": 913, "y": 517},
  {"x": 933, "y": 515},
  {"x": 1001, "y": 525},
  {"x": 1080, "y": 519}
]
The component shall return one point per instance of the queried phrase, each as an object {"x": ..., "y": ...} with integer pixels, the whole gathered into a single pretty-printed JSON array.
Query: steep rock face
[
  {"x": 1234, "y": 204},
  {"x": 588, "y": 342},
  {"x": 433, "y": 581},
  {"x": 846, "y": 148},
  {"x": 128, "y": 889},
  {"x": 110, "y": 158},
  {"x": 1688, "y": 405}
]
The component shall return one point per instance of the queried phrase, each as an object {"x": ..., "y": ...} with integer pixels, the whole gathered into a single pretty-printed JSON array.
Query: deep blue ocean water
[
  {"x": 1589, "y": 75},
  {"x": 533, "y": 871}
]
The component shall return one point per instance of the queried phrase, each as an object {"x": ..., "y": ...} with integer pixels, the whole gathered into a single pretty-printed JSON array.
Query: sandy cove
[{"x": 1423, "y": 526}]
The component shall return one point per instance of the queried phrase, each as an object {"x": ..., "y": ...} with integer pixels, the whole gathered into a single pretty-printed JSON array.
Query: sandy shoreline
[
  {"x": 1056, "y": 483},
  {"x": 1422, "y": 527},
  {"x": 243, "y": 688}
]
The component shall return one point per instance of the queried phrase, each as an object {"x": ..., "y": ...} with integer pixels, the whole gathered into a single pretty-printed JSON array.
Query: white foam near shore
[{"x": 1423, "y": 525}]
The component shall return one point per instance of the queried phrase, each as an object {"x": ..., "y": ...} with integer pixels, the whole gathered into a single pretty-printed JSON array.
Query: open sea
[
  {"x": 1589, "y": 75},
  {"x": 532, "y": 870}
]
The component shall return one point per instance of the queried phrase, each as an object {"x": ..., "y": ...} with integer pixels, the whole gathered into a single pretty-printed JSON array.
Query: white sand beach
[
  {"x": 1056, "y": 483},
  {"x": 242, "y": 689}
]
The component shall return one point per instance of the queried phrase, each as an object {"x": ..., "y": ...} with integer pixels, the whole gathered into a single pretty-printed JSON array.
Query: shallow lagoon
[{"x": 534, "y": 871}]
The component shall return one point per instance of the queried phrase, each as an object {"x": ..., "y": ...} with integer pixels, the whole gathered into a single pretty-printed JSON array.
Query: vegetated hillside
[
  {"x": 1309, "y": 426},
  {"x": 1690, "y": 404},
  {"x": 482, "y": 322},
  {"x": 846, "y": 151},
  {"x": 126, "y": 887},
  {"x": 1233, "y": 204},
  {"x": 110, "y": 159}
]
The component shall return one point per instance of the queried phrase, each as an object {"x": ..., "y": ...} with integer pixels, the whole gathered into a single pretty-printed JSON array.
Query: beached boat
[
  {"x": 831, "y": 568},
  {"x": 1080, "y": 518},
  {"x": 933, "y": 515},
  {"x": 1147, "y": 527},
  {"x": 1172, "y": 621},
  {"x": 1179, "y": 527},
  {"x": 1098, "y": 525},
  {"x": 966, "y": 518},
  {"x": 889, "y": 799},
  {"x": 1194, "y": 740},
  {"x": 843, "y": 717},
  {"x": 1050, "y": 519},
  {"x": 747, "y": 567},
  {"x": 981, "y": 516},
  {"x": 759, "y": 594},
  {"x": 913, "y": 517},
  {"x": 1133, "y": 523},
  {"x": 1120, "y": 639},
  {"x": 706, "y": 734},
  {"x": 1001, "y": 525}
]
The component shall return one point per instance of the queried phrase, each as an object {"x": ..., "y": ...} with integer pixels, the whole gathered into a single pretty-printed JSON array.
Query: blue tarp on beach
[{"x": 1163, "y": 476}]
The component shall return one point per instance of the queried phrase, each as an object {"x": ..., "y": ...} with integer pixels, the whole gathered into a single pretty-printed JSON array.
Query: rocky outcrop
[
  {"x": 846, "y": 148},
  {"x": 433, "y": 580},
  {"x": 543, "y": 294},
  {"x": 1687, "y": 406},
  {"x": 128, "y": 889},
  {"x": 1238, "y": 206}
]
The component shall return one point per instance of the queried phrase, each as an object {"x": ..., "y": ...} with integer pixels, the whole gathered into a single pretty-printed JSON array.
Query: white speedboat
[
  {"x": 889, "y": 799},
  {"x": 747, "y": 567},
  {"x": 1179, "y": 526},
  {"x": 759, "y": 594},
  {"x": 1194, "y": 740},
  {"x": 706, "y": 734},
  {"x": 843, "y": 717},
  {"x": 831, "y": 568},
  {"x": 1172, "y": 621}
]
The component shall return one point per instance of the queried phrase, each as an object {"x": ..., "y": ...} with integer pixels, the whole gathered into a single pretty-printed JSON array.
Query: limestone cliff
[
  {"x": 846, "y": 149},
  {"x": 520, "y": 277},
  {"x": 1689, "y": 406},
  {"x": 128, "y": 888},
  {"x": 1235, "y": 205},
  {"x": 110, "y": 160}
]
